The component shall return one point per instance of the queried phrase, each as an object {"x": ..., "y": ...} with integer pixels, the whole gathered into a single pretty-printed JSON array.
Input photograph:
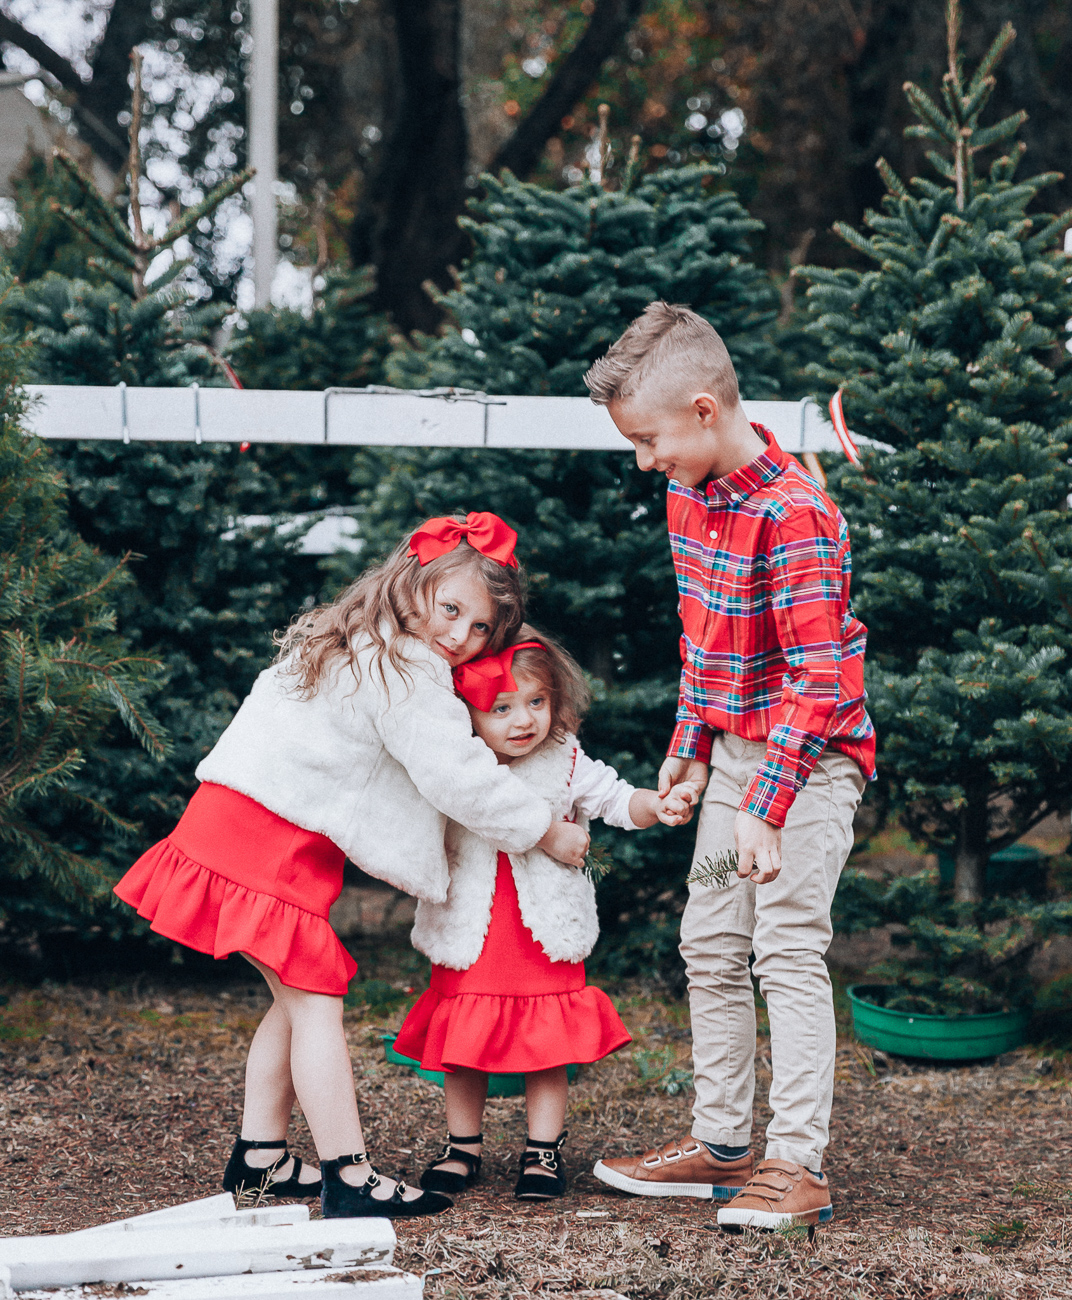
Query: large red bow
[
  {"x": 480, "y": 680},
  {"x": 483, "y": 531}
]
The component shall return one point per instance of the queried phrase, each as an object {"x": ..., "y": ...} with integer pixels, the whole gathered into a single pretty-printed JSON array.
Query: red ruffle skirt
[
  {"x": 514, "y": 1010},
  {"x": 234, "y": 877}
]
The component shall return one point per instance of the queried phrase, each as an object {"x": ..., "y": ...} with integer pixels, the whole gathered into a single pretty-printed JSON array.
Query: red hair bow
[
  {"x": 480, "y": 680},
  {"x": 483, "y": 531}
]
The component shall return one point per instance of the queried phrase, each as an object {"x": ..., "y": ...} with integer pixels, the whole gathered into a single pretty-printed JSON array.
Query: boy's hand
[
  {"x": 759, "y": 848},
  {"x": 566, "y": 842},
  {"x": 675, "y": 771},
  {"x": 675, "y": 809}
]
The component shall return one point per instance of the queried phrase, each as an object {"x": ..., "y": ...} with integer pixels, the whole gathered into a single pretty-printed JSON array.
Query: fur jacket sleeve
[
  {"x": 377, "y": 766},
  {"x": 558, "y": 903}
]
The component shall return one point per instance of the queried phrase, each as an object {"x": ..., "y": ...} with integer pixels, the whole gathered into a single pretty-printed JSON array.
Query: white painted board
[
  {"x": 189, "y": 1215},
  {"x": 183, "y": 1252},
  {"x": 161, "y": 414},
  {"x": 319, "y": 1284},
  {"x": 402, "y": 420},
  {"x": 569, "y": 423},
  {"x": 261, "y": 415},
  {"x": 74, "y": 411},
  {"x": 205, "y": 1207}
]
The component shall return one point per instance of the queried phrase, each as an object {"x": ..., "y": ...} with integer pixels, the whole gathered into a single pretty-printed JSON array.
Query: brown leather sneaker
[
  {"x": 778, "y": 1194},
  {"x": 684, "y": 1168}
]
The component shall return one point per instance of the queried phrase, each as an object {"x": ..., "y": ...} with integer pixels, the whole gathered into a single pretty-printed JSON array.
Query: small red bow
[
  {"x": 483, "y": 531},
  {"x": 480, "y": 680}
]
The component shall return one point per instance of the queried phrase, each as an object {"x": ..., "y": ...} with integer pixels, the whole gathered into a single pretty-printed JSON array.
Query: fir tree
[
  {"x": 66, "y": 675},
  {"x": 950, "y": 351},
  {"x": 206, "y": 592},
  {"x": 553, "y": 280},
  {"x": 342, "y": 343},
  {"x": 556, "y": 277}
]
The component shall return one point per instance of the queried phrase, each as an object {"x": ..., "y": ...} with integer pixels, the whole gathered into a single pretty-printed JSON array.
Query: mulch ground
[{"x": 953, "y": 1181}]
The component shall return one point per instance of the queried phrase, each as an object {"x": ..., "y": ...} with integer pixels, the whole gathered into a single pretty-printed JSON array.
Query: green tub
[
  {"x": 499, "y": 1085},
  {"x": 938, "y": 1038}
]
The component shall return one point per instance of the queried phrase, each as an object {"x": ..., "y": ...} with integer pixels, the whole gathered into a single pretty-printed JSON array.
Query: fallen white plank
[
  {"x": 206, "y": 1207},
  {"x": 183, "y": 1252},
  {"x": 189, "y": 1216},
  {"x": 353, "y": 1284}
]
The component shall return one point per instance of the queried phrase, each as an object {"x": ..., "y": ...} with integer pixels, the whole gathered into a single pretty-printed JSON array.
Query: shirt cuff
[
  {"x": 691, "y": 740},
  {"x": 768, "y": 800}
]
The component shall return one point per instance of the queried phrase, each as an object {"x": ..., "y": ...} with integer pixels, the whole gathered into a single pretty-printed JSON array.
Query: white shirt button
[{"x": 713, "y": 532}]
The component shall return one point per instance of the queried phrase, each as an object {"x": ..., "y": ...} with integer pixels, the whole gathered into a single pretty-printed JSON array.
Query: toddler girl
[
  {"x": 507, "y": 991},
  {"x": 353, "y": 744}
]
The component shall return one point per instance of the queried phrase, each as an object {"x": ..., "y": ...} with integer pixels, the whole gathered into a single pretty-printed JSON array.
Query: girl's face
[
  {"x": 460, "y": 618},
  {"x": 517, "y": 722}
]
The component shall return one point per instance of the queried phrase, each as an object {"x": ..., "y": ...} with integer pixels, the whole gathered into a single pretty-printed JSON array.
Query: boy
[{"x": 771, "y": 709}]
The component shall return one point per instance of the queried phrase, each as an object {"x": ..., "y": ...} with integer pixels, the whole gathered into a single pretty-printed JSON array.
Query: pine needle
[
  {"x": 598, "y": 863},
  {"x": 716, "y": 871}
]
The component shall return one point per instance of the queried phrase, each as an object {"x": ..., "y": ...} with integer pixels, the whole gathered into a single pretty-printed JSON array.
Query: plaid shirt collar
[{"x": 741, "y": 483}]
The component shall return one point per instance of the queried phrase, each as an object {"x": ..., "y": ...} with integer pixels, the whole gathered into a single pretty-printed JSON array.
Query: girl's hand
[
  {"x": 675, "y": 808},
  {"x": 566, "y": 843}
]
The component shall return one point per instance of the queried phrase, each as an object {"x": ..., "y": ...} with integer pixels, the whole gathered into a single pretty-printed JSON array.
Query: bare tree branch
[
  {"x": 46, "y": 56},
  {"x": 610, "y": 22}
]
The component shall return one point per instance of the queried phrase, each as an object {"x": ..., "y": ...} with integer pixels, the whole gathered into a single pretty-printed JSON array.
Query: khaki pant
[{"x": 787, "y": 924}]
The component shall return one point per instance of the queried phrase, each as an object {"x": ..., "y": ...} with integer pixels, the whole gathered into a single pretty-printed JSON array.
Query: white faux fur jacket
[
  {"x": 377, "y": 769},
  {"x": 558, "y": 903}
]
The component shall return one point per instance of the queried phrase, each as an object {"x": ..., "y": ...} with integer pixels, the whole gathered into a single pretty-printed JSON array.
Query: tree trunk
[
  {"x": 408, "y": 227},
  {"x": 969, "y": 880},
  {"x": 610, "y": 23}
]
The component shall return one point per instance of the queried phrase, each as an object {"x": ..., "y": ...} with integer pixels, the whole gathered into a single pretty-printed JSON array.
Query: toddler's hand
[
  {"x": 566, "y": 843},
  {"x": 675, "y": 808}
]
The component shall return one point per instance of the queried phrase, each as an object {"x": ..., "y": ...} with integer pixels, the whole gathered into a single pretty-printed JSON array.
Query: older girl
[{"x": 352, "y": 744}]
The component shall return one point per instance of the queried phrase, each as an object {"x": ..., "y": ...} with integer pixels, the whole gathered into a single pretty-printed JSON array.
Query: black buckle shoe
[
  {"x": 542, "y": 1187},
  {"x": 241, "y": 1177},
  {"x": 435, "y": 1179},
  {"x": 341, "y": 1200}
]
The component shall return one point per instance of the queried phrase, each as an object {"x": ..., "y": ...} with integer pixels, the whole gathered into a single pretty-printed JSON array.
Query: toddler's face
[
  {"x": 517, "y": 722},
  {"x": 460, "y": 619}
]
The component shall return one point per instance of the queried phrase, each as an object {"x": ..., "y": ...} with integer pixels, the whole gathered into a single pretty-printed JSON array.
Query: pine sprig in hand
[
  {"x": 598, "y": 863},
  {"x": 715, "y": 871}
]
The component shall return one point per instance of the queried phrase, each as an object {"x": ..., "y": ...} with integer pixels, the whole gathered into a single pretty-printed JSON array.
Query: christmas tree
[
  {"x": 950, "y": 352},
  {"x": 553, "y": 280},
  {"x": 208, "y": 587},
  {"x": 342, "y": 343},
  {"x": 556, "y": 277},
  {"x": 66, "y": 675}
]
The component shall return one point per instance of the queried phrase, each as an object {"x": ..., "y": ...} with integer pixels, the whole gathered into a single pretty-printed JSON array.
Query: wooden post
[{"x": 263, "y": 143}]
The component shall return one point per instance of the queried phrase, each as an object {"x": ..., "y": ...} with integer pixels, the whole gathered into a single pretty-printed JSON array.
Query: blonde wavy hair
[
  {"x": 557, "y": 673},
  {"x": 388, "y": 603}
]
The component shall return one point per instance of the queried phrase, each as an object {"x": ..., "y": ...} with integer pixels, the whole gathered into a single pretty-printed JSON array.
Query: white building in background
[{"x": 25, "y": 128}]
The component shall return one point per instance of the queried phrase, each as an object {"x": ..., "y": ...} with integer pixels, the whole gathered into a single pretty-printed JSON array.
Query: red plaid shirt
[{"x": 771, "y": 648}]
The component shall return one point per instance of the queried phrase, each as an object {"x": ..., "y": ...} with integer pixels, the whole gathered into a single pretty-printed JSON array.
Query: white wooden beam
[
  {"x": 263, "y": 143},
  {"x": 370, "y": 1283},
  {"x": 366, "y": 417},
  {"x": 209, "y": 1213},
  {"x": 356, "y": 1284},
  {"x": 181, "y": 1252}
]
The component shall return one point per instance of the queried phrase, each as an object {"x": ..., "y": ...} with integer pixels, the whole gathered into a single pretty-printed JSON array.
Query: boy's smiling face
[{"x": 678, "y": 440}]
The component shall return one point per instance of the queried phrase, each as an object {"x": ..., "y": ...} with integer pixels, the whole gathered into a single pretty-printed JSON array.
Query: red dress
[
  {"x": 234, "y": 877},
  {"x": 514, "y": 1010}
]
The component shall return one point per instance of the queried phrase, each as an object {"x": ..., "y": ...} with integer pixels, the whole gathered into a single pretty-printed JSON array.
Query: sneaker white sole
[
  {"x": 641, "y": 1186},
  {"x": 731, "y": 1218}
]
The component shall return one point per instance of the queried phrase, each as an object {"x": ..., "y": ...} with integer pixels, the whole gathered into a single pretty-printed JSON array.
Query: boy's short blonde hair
[{"x": 671, "y": 348}]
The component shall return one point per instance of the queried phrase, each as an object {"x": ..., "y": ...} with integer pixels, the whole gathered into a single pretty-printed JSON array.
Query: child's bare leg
[
  {"x": 270, "y": 1098},
  {"x": 466, "y": 1092},
  {"x": 323, "y": 1079},
  {"x": 546, "y": 1093}
]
